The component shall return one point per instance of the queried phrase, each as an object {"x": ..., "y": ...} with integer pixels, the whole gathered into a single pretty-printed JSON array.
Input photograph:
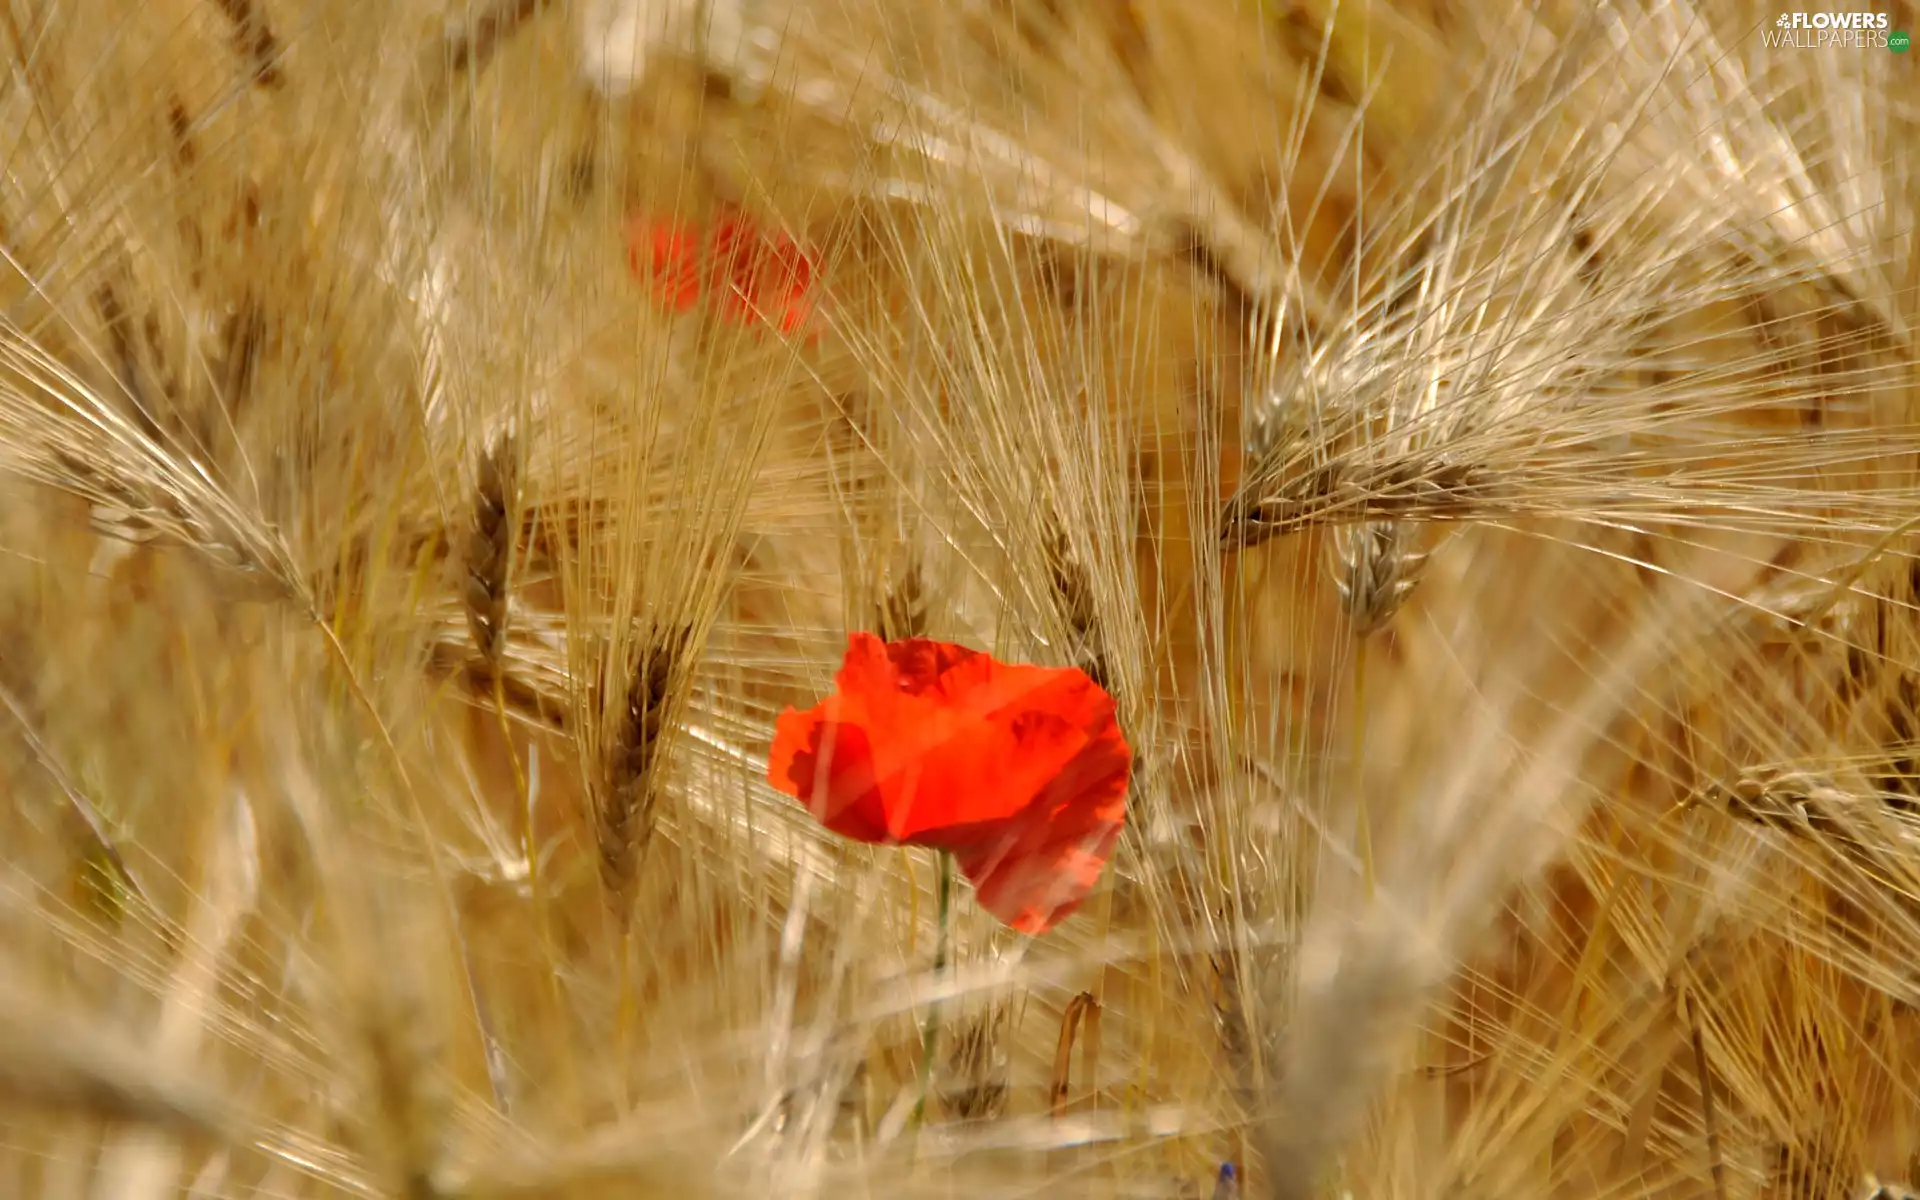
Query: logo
[
  {"x": 1825, "y": 30},
  {"x": 1832, "y": 21},
  {"x": 1898, "y": 41}
]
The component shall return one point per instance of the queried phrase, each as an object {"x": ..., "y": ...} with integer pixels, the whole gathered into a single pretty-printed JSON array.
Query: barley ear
[
  {"x": 1075, "y": 593},
  {"x": 903, "y": 608},
  {"x": 489, "y": 551},
  {"x": 470, "y": 49},
  {"x": 254, "y": 42},
  {"x": 1377, "y": 573},
  {"x": 1347, "y": 490},
  {"x": 979, "y": 1091},
  {"x": 626, "y": 811}
]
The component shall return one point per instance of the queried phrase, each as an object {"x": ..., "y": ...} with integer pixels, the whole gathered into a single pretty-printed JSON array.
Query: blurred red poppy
[
  {"x": 1019, "y": 771},
  {"x": 672, "y": 261},
  {"x": 751, "y": 276}
]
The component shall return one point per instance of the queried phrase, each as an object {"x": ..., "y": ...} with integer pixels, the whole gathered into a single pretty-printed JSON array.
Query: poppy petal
[
  {"x": 751, "y": 276},
  {"x": 949, "y": 771},
  {"x": 977, "y": 772},
  {"x": 958, "y": 741},
  {"x": 797, "y": 317},
  {"x": 828, "y": 765},
  {"x": 1020, "y": 771},
  {"x": 963, "y": 740},
  {"x": 1033, "y": 892},
  {"x": 672, "y": 265},
  {"x": 732, "y": 262},
  {"x": 1044, "y": 863},
  {"x": 920, "y": 664},
  {"x": 869, "y": 667}
]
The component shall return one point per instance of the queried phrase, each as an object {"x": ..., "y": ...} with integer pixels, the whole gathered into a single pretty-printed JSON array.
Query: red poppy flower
[
  {"x": 751, "y": 276},
  {"x": 1019, "y": 771},
  {"x": 672, "y": 261}
]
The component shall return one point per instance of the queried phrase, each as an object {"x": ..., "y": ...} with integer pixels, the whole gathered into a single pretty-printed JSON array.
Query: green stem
[{"x": 930, "y": 1032}]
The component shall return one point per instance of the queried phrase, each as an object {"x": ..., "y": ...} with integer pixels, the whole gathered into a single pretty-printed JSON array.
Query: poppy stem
[{"x": 930, "y": 1032}]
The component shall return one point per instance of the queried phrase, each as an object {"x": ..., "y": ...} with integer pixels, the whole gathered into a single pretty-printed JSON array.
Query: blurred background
[{"x": 1475, "y": 443}]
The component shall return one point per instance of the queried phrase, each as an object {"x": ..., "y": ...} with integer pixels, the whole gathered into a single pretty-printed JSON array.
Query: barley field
[{"x": 1474, "y": 443}]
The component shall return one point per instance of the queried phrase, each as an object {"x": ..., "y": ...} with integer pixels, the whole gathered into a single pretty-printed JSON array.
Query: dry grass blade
[
  {"x": 86, "y": 814},
  {"x": 1703, "y": 1075},
  {"x": 1365, "y": 970},
  {"x": 1083, "y": 1012},
  {"x": 136, "y": 1164},
  {"x": 655, "y": 1158},
  {"x": 395, "y": 1046}
]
